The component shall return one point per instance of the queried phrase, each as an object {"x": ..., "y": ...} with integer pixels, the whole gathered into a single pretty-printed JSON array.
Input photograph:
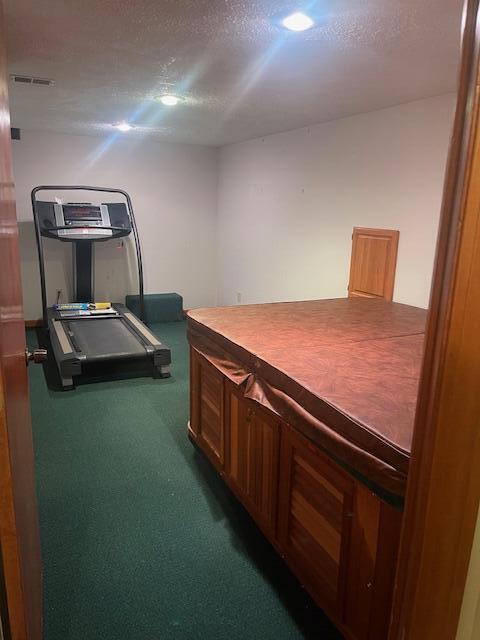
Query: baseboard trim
[{"x": 33, "y": 324}]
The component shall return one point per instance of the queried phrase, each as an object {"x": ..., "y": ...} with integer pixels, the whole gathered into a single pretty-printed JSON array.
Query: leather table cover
[{"x": 344, "y": 372}]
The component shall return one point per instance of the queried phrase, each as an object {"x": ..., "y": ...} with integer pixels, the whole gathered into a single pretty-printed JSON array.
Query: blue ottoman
[{"x": 159, "y": 307}]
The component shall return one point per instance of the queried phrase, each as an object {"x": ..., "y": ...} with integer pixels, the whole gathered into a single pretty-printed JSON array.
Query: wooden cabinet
[
  {"x": 339, "y": 538},
  {"x": 253, "y": 443}
]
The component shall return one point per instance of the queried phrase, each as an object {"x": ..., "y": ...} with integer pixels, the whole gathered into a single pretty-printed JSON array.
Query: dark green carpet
[{"x": 140, "y": 539}]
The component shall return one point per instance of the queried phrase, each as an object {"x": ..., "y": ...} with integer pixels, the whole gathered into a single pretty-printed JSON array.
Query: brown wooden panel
[
  {"x": 211, "y": 410},
  {"x": 362, "y": 560},
  {"x": 266, "y": 465},
  {"x": 32, "y": 324},
  {"x": 388, "y": 543},
  {"x": 373, "y": 263},
  {"x": 206, "y": 408},
  {"x": 314, "y": 519},
  {"x": 253, "y": 452},
  {"x": 444, "y": 480},
  {"x": 19, "y": 534},
  {"x": 371, "y": 566},
  {"x": 236, "y": 437},
  {"x": 194, "y": 393}
]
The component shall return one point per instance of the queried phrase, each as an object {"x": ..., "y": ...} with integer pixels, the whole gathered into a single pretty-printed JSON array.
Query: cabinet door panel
[
  {"x": 253, "y": 458},
  {"x": 315, "y": 519},
  {"x": 266, "y": 445},
  {"x": 206, "y": 413},
  {"x": 362, "y": 562},
  {"x": 239, "y": 442},
  {"x": 211, "y": 410},
  {"x": 372, "y": 562},
  {"x": 373, "y": 263}
]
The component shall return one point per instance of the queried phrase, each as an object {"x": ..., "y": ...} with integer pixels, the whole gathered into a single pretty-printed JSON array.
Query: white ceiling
[{"x": 241, "y": 74}]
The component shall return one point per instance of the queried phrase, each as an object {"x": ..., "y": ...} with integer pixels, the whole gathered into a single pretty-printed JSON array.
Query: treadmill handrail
[{"x": 40, "y": 242}]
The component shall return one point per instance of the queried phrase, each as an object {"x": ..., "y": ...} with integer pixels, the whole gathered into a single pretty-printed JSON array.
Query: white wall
[
  {"x": 173, "y": 188},
  {"x": 277, "y": 212},
  {"x": 287, "y": 203}
]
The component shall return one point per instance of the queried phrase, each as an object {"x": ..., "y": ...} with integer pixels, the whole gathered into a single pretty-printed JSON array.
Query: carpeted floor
[{"x": 140, "y": 539}]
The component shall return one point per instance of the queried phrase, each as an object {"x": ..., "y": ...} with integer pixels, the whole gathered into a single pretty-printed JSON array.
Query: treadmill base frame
[{"x": 74, "y": 365}]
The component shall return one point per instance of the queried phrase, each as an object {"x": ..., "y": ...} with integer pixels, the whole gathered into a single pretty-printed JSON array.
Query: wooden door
[
  {"x": 373, "y": 263},
  {"x": 253, "y": 449},
  {"x": 315, "y": 519},
  {"x": 19, "y": 534}
]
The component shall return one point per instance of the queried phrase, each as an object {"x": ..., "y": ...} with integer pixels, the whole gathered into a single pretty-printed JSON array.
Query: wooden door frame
[
  {"x": 443, "y": 492},
  {"x": 4, "y": 620},
  {"x": 21, "y": 584}
]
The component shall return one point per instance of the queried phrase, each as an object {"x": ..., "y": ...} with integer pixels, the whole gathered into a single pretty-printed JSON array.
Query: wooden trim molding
[
  {"x": 33, "y": 324},
  {"x": 444, "y": 481}
]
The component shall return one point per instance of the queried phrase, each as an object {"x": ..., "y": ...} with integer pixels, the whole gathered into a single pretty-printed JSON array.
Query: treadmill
[{"x": 89, "y": 342}]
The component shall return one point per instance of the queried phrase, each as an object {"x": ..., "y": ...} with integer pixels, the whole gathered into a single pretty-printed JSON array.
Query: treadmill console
[
  {"x": 85, "y": 221},
  {"x": 82, "y": 221}
]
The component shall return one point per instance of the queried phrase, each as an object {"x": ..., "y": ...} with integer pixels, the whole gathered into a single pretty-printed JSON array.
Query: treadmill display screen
[{"x": 75, "y": 214}]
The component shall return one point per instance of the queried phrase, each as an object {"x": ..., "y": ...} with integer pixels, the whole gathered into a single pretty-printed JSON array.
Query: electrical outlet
[{"x": 239, "y": 298}]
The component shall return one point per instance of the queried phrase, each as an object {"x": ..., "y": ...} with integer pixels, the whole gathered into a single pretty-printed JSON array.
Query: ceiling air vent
[{"x": 44, "y": 82}]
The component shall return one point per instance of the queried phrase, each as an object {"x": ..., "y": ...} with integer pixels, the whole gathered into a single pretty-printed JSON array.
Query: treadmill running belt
[{"x": 104, "y": 339}]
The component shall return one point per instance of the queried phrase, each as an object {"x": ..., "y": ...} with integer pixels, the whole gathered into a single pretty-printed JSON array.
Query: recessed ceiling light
[
  {"x": 169, "y": 100},
  {"x": 297, "y": 22},
  {"x": 123, "y": 126}
]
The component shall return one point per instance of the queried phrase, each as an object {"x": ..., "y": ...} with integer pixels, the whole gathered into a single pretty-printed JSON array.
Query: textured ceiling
[{"x": 241, "y": 75}]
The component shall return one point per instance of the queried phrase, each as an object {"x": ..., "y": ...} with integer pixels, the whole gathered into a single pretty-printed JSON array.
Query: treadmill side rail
[
  {"x": 161, "y": 353},
  {"x": 62, "y": 337},
  {"x": 69, "y": 362},
  {"x": 145, "y": 332}
]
